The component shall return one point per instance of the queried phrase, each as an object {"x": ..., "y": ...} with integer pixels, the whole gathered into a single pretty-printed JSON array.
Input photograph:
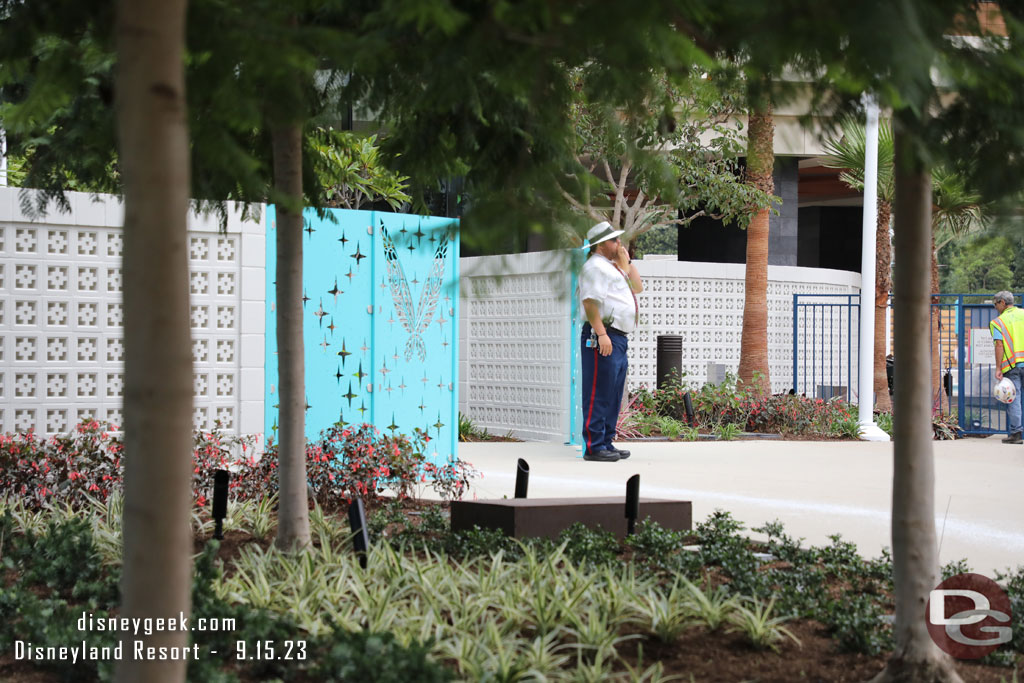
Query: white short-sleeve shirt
[{"x": 602, "y": 281}]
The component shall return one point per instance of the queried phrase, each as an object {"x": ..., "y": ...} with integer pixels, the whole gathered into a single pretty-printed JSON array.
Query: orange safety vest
[{"x": 1011, "y": 325}]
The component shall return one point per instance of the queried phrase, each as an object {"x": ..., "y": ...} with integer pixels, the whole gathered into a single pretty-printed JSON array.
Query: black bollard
[
  {"x": 357, "y": 522},
  {"x": 632, "y": 503},
  {"x": 220, "y": 502},
  {"x": 522, "y": 478},
  {"x": 688, "y": 405}
]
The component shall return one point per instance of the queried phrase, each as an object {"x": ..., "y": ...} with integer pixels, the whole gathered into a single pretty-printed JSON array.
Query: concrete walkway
[{"x": 815, "y": 488}]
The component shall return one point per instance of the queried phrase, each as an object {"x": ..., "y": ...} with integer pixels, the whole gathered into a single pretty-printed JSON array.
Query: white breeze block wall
[
  {"x": 703, "y": 303},
  {"x": 515, "y": 331},
  {"x": 514, "y": 336},
  {"x": 61, "y": 317}
]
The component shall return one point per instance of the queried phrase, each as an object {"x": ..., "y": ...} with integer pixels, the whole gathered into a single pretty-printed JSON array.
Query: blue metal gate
[
  {"x": 825, "y": 332},
  {"x": 826, "y": 357},
  {"x": 977, "y": 410}
]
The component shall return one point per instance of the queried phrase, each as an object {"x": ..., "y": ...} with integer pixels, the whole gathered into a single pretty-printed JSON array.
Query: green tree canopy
[
  {"x": 982, "y": 265},
  {"x": 665, "y": 161}
]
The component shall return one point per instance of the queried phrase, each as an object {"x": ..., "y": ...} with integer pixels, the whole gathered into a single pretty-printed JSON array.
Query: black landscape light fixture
[
  {"x": 357, "y": 522},
  {"x": 220, "y": 502},
  {"x": 632, "y": 503},
  {"x": 688, "y": 405},
  {"x": 522, "y": 478}
]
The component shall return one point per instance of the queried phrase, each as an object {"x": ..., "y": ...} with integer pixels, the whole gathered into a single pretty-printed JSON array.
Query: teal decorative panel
[{"x": 380, "y": 294}]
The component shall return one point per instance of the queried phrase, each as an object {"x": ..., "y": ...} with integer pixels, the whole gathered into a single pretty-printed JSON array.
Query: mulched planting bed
[{"x": 723, "y": 657}]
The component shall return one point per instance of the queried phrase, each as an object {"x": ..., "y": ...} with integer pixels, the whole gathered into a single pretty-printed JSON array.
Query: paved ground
[{"x": 814, "y": 488}]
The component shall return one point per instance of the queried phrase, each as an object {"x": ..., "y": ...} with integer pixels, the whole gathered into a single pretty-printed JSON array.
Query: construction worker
[{"x": 1008, "y": 334}]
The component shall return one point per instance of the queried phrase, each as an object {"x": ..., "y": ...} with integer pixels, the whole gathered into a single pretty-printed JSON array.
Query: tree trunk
[
  {"x": 293, "y": 510},
  {"x": 883, "y": 285},
  {"x": 753, "y": 369},
  {"x": 154, "y": 158},
  {"x": 935, "y": 326},
  {"x": 915, "y": 556}
]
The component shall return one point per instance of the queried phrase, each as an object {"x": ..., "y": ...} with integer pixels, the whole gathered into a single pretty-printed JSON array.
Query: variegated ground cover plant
[{"x": 470, "y": 606}]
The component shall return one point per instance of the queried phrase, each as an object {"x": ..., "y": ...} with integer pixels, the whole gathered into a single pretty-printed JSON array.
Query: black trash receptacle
[{"x": 670, "y": 355}]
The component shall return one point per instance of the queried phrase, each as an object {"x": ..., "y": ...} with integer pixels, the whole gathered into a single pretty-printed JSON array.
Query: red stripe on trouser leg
[{"x": 590, "y": 412}]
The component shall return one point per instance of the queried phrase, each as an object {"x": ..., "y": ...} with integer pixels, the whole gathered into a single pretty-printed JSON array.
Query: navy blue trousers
[{"x": 603, "y": 379}]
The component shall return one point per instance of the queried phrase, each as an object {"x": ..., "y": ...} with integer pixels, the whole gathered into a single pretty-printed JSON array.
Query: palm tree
[
  {"x": 753, "y": 369},
  {"x": 847, "y": 153}
]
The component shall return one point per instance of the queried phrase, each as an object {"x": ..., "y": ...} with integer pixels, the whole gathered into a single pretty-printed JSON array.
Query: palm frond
[{"x": 848, "y": 151}]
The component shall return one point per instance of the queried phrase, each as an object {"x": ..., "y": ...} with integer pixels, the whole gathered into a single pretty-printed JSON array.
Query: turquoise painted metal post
[{"x": 576, "y": 259}]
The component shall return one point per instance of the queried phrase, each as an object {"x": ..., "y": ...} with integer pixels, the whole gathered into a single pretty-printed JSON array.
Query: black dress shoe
[
  {"x": 622, "y": 454},
  {"x": 1014, "y": 438},
  {"x": 601, "y": 456}
]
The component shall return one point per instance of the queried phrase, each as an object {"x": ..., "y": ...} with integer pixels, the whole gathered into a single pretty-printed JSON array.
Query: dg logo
[{"x": 969, "y": 616}]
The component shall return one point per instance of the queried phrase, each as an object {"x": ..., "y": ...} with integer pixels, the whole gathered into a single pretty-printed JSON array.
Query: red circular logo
[{"x": 969, "y": 616}]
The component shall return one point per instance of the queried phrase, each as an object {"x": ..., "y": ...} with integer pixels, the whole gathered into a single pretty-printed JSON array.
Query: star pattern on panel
[
  {"x": 334, "y": 291},
  {"x": 342, "y": 239},
  {"x": 349, "y": 395},
  {"x": 309, "y": 229},
  {"x": 304, "y": 298},
  {"x": 320, "y": 313},
  {"x": 324, "y": 344},
  {"x": 332, "y": 328},
  {"x": 344, "y": 353},
  {"x": 358, "y": 255},
  {"x": 359, "y": 374}
]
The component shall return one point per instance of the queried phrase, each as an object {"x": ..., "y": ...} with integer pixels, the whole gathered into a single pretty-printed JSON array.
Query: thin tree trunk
[
  {"x": 293, "y": 510},
  {"x": 154, "y": 158},
  {"x": 883, "y": 284},
  {"x": 915, "y": 556},
  {"x": 753, "y": 369}
]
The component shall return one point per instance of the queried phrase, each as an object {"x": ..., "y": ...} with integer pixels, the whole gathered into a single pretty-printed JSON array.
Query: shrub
[
  {"x": 344, "y": 463},
  {"x": 68, "y": 468}
]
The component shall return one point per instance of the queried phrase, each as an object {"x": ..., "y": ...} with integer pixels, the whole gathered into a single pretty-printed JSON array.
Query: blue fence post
[
  {"x": 796, "y": 298},
  {"x": 961, "y": 318},
  {"x": 849, "y": 350}
]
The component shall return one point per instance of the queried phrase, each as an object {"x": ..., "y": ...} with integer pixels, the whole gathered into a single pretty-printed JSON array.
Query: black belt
[{"x": 607, "y": 328}]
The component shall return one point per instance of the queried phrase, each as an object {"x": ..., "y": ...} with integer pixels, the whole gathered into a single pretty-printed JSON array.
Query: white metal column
[{"x": 869, "y": 431}]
